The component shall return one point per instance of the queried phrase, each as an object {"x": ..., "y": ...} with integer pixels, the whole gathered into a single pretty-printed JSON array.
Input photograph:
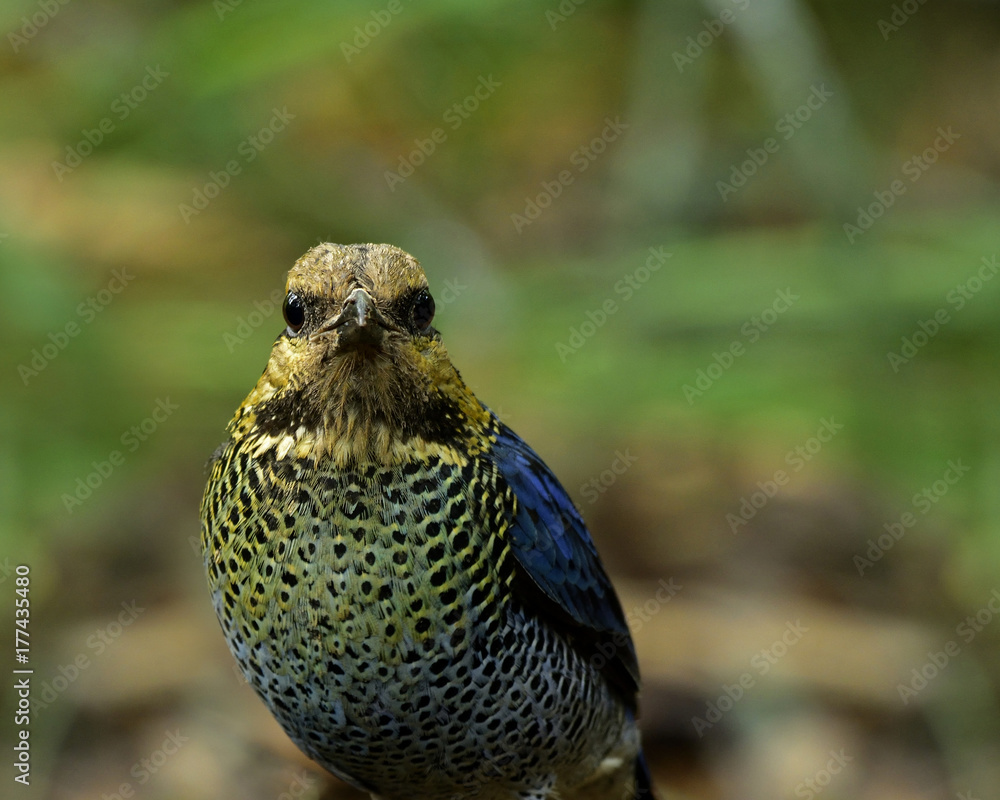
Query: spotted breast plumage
[{"x": 401, "y": 578}]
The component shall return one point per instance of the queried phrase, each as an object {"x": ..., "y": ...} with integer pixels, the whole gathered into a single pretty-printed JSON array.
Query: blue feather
[{"x": 554, "y": 550}]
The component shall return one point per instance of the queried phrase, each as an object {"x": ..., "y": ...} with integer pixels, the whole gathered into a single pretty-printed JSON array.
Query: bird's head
[{"x": 359, "y": 370}]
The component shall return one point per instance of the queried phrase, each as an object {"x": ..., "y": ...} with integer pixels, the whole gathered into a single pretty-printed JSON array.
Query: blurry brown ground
[{"x": 830, "y": 686}]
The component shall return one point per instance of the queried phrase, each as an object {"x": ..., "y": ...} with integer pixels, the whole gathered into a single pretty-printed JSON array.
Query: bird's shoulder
[{"x": 560, "y": 572}]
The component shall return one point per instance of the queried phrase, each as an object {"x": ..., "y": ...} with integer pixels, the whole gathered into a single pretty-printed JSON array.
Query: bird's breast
[
  {"x": 372, "y": 609},
  {"x": 319, "y": 568}
]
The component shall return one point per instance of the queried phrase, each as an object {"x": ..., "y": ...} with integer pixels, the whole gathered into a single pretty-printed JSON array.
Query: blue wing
[{"x": 554, "y": 551}]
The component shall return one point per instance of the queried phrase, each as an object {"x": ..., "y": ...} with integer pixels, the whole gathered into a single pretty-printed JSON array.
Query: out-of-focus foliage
[{"x": 823, "y": 178}]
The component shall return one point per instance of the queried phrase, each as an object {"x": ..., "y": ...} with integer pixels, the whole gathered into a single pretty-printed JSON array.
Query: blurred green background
[{"x": 728, "y": 266}]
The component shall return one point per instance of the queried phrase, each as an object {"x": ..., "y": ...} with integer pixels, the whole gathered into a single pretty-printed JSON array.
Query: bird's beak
[{"x": 359, "y": 322}]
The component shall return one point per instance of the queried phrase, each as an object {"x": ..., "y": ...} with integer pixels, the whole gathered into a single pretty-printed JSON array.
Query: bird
[{"x": 400, "y": 577}]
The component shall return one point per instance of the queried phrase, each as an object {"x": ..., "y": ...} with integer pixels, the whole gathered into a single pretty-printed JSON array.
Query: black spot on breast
[
  {"x": 457, "y": 509},
  {"x": 439, "y": 577},
  {"x": 423, "y": 486},
  {"x": 286, "y": 412},
  {"x": 436, "y": 553}
]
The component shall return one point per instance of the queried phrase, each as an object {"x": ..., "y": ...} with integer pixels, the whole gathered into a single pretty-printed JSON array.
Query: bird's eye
[
  {"x": 295, "y": 314},
  {"x": 422, "y": 310}
]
